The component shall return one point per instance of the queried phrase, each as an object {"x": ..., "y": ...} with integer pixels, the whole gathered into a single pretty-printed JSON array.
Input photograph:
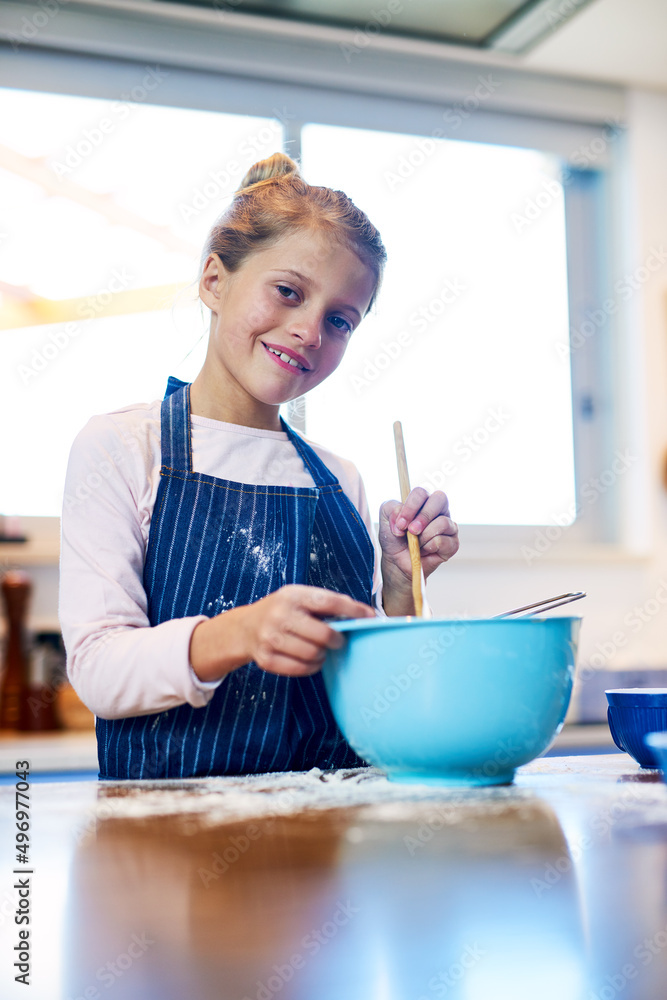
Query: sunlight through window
[{"x": 466, "y": 345}]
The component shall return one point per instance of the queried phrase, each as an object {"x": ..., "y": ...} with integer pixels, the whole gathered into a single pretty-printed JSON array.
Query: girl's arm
[
  {"x": 283, "y": 633},
  {"x": 117, "y": 663}
]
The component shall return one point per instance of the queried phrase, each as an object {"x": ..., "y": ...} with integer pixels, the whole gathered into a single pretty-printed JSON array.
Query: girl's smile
[
  {"x": 287, "y": 358},
  {"x": 280, "y": 325}
]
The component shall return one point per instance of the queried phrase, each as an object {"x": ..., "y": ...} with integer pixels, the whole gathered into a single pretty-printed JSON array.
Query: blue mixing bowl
[
  {"x": 632, "y": 713},
  {"x": 452, "y": 702}
]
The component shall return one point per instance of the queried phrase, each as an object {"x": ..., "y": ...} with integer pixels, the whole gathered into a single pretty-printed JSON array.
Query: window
[{"x": 469, "y": 343}]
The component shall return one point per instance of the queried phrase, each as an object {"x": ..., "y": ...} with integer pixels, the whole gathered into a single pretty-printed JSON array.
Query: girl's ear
[{"x": 212, "y": 282}]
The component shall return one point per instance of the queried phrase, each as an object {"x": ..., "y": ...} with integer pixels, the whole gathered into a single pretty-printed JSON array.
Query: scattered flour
[
  {"x": 217, "y": 606},
  {"x": 227, "y": 799},
  {"x": 220, "y": 800}
]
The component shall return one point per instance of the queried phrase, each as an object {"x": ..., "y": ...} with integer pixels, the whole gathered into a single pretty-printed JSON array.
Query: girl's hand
[
  {"x": 287, "y": 634},
  {"x": 426, "y": 516},
  {"x": 283, "y": 633}
]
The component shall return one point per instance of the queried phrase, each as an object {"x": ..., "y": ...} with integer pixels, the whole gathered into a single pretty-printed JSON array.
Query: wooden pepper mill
[
  {"x": 16, "y": 588},
  {"x": 26, "y": 703}
]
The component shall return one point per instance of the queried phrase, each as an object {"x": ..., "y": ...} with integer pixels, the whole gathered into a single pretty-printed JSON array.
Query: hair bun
[
  {"x": 264, "y": 171},
  {"x": 272, "y": 202}
]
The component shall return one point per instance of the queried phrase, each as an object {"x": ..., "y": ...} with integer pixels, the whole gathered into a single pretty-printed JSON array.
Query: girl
[{"x": 196, "y": 574}]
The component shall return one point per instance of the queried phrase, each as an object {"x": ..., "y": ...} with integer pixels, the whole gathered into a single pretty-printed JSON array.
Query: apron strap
[
  {"x": 175, "y": 440},
  {"x": 173, "y": 384}
]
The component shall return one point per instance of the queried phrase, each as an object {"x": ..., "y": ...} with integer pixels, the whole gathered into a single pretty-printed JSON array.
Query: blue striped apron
[{"x": 215, "y": 544}]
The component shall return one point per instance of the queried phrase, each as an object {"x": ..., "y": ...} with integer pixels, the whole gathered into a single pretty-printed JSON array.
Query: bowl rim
[
  {"x": 359, "y": 624},
  {"x": 638, "y": 698}
]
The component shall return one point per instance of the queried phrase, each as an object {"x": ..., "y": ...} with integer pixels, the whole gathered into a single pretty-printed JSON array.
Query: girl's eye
[
  {"x": 345, "y": 328},
  {"x": 286, "y": 289}
]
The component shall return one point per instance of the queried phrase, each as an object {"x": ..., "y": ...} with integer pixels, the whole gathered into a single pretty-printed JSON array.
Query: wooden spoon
[{"x": 422, "y": 609}]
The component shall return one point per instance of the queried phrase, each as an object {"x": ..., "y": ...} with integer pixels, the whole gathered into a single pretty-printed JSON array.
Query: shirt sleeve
[{"x": 117, "y": 662}]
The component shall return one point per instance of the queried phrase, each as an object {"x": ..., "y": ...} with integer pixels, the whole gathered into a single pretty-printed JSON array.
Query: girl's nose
[{"x": 307, "y": 330}]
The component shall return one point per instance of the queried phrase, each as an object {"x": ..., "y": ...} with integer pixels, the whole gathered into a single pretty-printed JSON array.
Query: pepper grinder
[{"x": 16, "y": 588}]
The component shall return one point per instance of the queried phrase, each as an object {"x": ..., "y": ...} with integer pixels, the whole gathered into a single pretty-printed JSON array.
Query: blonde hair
[{"x": 273, "y": 201}]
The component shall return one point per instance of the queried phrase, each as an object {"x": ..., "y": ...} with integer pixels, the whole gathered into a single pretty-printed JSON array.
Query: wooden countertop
[{"x": 344, "y": 886}]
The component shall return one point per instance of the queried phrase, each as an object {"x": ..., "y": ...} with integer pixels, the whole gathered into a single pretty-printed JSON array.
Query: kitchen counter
[{"x": 344, "y": 886}]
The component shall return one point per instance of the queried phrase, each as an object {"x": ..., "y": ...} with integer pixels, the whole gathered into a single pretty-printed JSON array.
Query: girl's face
[{"x": 281, "y": 323}]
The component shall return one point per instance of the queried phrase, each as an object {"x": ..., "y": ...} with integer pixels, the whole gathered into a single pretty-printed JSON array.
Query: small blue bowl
[
  {"x": 632, "y": 714},
  {"x": 658, "y": 744},
  {"x": 452, "y": 702}
]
